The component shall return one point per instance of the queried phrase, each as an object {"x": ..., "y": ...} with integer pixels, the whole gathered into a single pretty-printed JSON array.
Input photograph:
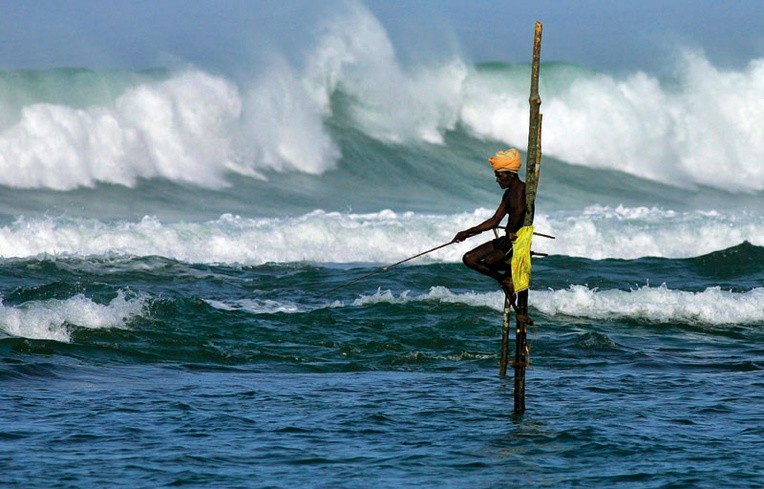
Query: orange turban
[{"x": 507, "y": 160}]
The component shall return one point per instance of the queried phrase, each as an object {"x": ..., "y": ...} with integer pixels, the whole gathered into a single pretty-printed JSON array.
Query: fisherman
[{"x": 492, "y": 258}]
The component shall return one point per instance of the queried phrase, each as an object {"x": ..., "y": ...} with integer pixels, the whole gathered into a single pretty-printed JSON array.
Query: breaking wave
[
  {"x": 383, "y": 237},
  {"x": 195, "y": 127}
]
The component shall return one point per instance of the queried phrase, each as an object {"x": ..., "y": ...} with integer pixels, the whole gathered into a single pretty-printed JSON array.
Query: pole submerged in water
[
  {"x": 504, "y": 359},
  {"x": 533, "y": 164}
]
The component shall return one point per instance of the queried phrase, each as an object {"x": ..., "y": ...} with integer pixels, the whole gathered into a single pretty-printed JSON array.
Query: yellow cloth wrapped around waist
[{"x": 521, "y": 259}]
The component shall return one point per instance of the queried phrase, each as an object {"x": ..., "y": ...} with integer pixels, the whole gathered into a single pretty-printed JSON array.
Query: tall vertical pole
[
  {"x": 532, "y": 168},
  {"x": 533, "y": 162},
  {"x": 504, "y": 359},
  {"x": 521, "y": 351}
]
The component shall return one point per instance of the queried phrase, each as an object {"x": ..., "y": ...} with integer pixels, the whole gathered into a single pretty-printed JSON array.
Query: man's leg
[
  {"x": 486, "y": 259},
  {"x": 491, "y": 261}
]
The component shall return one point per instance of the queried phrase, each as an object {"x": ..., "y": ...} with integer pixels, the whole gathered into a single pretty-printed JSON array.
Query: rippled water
[{"x": 219, "y": 376}]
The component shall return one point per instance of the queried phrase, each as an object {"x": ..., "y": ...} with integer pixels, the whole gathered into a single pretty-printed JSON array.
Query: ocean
[{"x": 193, "y": 291}]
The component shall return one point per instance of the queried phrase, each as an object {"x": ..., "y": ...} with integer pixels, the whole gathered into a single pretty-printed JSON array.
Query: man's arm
[{"x": 490, "y": 223}]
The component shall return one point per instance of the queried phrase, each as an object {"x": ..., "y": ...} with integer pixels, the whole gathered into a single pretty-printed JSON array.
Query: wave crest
[
  {"x": 176, "y": 129},
  {"x": 383, "y": 237},
  {"x": 701, "y": 128},
  {"x": 647, "y": 304},
  {"x": 53, "y": 319},
  {"x": 655, "y": 305}
]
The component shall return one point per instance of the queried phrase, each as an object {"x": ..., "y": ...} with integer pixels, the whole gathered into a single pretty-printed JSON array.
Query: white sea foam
[
  {"x": 631, "y": 232},
  {"x": 383, "y": 237},
  {"x": 282, "y": 126},
  {"x": 257, "y": 306},
  {"x": 712, "y": 306},
  {"x": 53, "y": 319},
  {"x": 354, "y": 54},
  {"x": 655, "y": 304},
  {"x": 176, "y": 129},
  {"x": 435, "y": 294}
]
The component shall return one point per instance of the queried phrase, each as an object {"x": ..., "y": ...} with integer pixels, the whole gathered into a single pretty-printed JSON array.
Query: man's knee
[{"x": 469, "y": 260}]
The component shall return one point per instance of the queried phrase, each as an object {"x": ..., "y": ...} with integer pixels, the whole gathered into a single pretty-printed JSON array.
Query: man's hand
[{"x": 462, "y": 235}]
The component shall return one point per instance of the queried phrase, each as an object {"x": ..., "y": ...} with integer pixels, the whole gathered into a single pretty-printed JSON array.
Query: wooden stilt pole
[
  {"x": 532, "y": 168},
  {"x": 521, "y": 351},
  {"x": 504, "y": 361},
  {"x": 533, "y": 161}
]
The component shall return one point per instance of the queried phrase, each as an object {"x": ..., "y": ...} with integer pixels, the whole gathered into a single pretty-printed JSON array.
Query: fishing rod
[
  {"x": 534, "y": 233},
  {"x": 388, "y": 267}
]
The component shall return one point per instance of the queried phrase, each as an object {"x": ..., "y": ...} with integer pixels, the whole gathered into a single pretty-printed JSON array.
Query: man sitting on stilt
[{"x": 492, "y": 258}]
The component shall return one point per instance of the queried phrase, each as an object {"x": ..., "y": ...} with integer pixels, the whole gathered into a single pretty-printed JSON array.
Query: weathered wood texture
[
  {"x": 521, "y": 351},
  {"x": 504, "y": 359},
  {"x": 533, "y": 161},
  {"x": 532, "y": 167}
]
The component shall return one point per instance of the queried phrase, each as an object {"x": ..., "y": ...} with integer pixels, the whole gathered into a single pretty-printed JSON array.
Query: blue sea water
[{"x": 188, "y": 297}]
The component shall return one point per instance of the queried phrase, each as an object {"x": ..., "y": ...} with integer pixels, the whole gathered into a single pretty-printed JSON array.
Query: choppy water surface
[
  {"x": 170, "y": 239},
  {"x": 160, "y": 373}
]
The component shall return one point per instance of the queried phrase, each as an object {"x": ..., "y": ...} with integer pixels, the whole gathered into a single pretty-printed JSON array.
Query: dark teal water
[{"x": 230, "y": 376}]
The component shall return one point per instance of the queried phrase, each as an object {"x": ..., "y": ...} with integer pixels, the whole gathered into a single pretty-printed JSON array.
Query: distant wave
[
  {"x": 58, "y": 319},
  {"x": 53, "y": 319},
  {"x": 655, "y": 305},
  {"x": 698, "y": 129},
  {"x": 647, "y": 304},
  {"x": 383, "y": 237},
  {"x": 178, "y": 128},
  {"x": 65, "y": 129}
]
